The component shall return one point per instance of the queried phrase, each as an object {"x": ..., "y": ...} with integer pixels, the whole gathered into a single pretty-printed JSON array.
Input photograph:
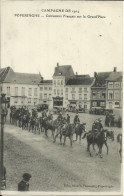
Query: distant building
[
  {"x": 45, "y": 93},
  {"x": 114, "y": 90},
  {"x": 78, "y": 91},
  {"x": 61, "y": 75},
  {"x": 20, "y": 88},
  {"x": 98, "y": 90}
]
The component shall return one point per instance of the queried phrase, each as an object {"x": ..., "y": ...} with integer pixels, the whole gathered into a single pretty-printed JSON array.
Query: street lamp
[{"x": 2, "y": 115}]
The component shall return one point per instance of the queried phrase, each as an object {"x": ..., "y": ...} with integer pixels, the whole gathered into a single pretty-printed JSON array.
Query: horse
[
  {"x": 119, "y": 140},
  {"x": 79, "y": 129},
  {"x": 49, "y": 125},
  {"x": 109, "y": 135},
  {"x": 31, "y": 124},
  {"x": 37, "y": 125},
  {"x": 66, "y": 130},
  {"x": 95, "y": 138}
]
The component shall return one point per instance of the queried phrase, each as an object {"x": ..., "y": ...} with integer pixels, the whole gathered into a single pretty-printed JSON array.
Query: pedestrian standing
[{"x": 24, "y": 184}]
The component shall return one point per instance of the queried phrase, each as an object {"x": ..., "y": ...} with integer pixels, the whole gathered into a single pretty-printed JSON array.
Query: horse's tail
[{"x": 84, "y": 135}]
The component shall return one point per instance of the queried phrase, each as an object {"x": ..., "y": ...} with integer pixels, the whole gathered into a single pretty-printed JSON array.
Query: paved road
[{"x": 57, "y": 168}]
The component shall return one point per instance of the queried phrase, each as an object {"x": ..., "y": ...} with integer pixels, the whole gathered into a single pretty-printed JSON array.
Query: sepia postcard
[{"x": 61, "y": 98}]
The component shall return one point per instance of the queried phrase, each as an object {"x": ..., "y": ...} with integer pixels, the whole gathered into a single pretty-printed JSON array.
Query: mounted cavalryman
[{"x": 76, "y": 119}]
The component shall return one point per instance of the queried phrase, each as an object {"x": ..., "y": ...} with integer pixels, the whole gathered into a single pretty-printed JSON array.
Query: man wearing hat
[
  {"x": 100, "y": 124},
  {"x": 76, "y": 119},
  {"x": 24, "y": 184}
]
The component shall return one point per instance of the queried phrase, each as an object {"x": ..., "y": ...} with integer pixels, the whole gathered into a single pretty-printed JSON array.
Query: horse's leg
[
  {"x": 100, "y": 151},
  {"x": 46, "y": 132},
  {"x": 120, "y": 153},
  {"x": 71, "y": 139},
  {"x": 89, "y": 149},
  {"x": 106, "y": 146},
  {"x": 64, "y": 140},
  {"x": 93, "y": 147},
  {"x": 60, "y": 138},
  {"x": 80, "y": 139},
  {"x": 76, "y": 138}
]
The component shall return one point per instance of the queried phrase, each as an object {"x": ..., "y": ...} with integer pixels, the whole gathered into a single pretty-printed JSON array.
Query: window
[
  {"x": 80, "y": 96},
  {"x": 116, "y": 95},
  {"x": 41, "y": 88},
  {"x": 45, "y": 88},
  {"x": 29, "y": 100},
  {"x": 54, "y": 91},
  {"x": 110, "y": 85},
  {"x": 61, "y": 82},
  {"x": 61, "y": 91},
  {"x": 35, "y": 91},
  {"x": 50, "y": 88},
  {"x": 102, "y": 103},
  {"x": 110, "y": 95},
  {"x": 58, "y": 82},
  {"x": 98, "y": 95},
  {"x": 35, "y": 101},
  {"x": 23, "y": 91},
  {"x": 41, "y": 95},
  {"x": 85, "y": 96},
  {"x": 16, "y": 100},
  {"x": 117, "y": 85},
  {"x": 103, "y": 95},
  {"x": 117, "y": 104},
  {"x": 30, "y": 91},
  {"x": 94, "y": 95},
  {"x": 73, "y": 89},
  {"x": 110, "y": 104},
  {"x": 45, "y": 96},
  {"x": 55, "y": 82},
  {"x": 57, "y": 91},
  {"x": 66, "y": 90},
  {"x": 50, "y": 96},
  {"x": 8, "y": 90},
  {"x": 85, "y": 89},
  {"x": 66, "y": 96},
  {"x": 94, "y": 103},
  {"x": 80, "y": 89},
  {"x": 73, "y": 96},
  {"x": 16, "y": 91}
]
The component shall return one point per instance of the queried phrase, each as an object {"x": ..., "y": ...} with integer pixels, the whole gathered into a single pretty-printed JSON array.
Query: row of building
[{"x": 65, "y": 89}]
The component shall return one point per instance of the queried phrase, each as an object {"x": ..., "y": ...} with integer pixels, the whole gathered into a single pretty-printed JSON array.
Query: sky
[{"x": 33, "y": 45}]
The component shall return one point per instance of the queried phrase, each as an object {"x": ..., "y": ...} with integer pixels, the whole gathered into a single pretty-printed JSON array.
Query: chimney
[
  {"x": 57, "y": 64},
  {"x": 115, "y": 69},
  {"x": 95, "y": 74}
]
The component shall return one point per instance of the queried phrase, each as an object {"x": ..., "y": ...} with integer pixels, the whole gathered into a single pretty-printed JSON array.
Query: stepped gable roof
[
  {"x": 80, "y": 81},
  {"x": 21, "y": 78},
  {"x": 64, "y": 70},
  {"x": 115, "y": 76},
  {"x": 100, "y": 79}
]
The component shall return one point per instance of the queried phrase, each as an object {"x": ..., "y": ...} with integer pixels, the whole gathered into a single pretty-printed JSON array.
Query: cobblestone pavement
[{"x": 60, "y": 168}]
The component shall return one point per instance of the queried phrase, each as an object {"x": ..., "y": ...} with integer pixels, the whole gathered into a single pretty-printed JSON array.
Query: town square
[{"x": 37, "y": 112}]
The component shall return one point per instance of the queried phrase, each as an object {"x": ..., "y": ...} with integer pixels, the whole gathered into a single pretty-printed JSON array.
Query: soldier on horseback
[
  {"x": 76, "y": 119},
  {"x": 60, "y": 117},
  {"x": 44, "y": 115},
  {"x": 68, "y": 119}
]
